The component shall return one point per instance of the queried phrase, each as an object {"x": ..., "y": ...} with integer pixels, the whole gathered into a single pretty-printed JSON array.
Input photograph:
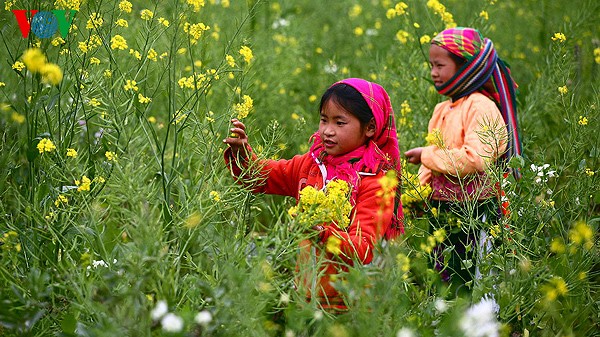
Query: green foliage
[{"x": 146, "y": 211}]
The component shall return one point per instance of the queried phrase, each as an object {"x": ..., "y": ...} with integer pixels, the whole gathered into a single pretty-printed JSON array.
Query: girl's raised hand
[
  {"x": 414, "y": 155},
  {"x": 239, "y": 140}
]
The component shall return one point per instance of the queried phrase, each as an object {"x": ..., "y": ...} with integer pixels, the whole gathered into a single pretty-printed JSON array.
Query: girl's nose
[{"x": 328, "y": 131}]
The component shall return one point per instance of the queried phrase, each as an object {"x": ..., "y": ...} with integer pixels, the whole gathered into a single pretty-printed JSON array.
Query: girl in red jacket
[{"x": 356, "y": 142}]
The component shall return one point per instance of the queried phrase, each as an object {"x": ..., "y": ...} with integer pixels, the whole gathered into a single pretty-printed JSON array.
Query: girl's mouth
[{"x": 329, "y": 143}]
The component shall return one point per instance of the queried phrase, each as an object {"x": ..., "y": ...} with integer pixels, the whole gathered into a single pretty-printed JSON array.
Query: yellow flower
[
  {"x": 246, "y": 52},
  {"x": 164, "y": 22},
  {"x": 144, "y": 100},
  {"x": 484, "y": 15},
  {"x": 71, "y": 153},
  {"x": 197, "y": 4},
  {"x": 435, "y": 138},
  {"x": 597, "y": 55},
  {"x": 17, "y": 117},
  {"x": 94, "y": 60},
  {"x": 554, "y": 288},
  {"x": 425, "y": 39},
  {"x": 589, "y": 172},
  {"x": 94, "y": 21},
  {"x": 230, "y": 60},
  {"x": 68, "y": 4},
  {"x": 582, "y": 234},
  {"x": 18, "y": 66},
  {"x": 125, "y": 6},
  {"x": 195, "y": 30},
  {"x": 402, "y": 36},
  {"x": 557, "y": 246},
  {"x": 110, "y": 156},
  {"x": 122, "y": 23},
  {"x": 45, "y": 145},
  {"x": 84, "y": 184},
  {"x": 333, "y": 245},
  {"x": 582, "y": 121},
  {"x": 51, "y": 73},
  {"x": 215, "y": 195},
  {"x": 560, "y": 37},
  {"x": 118, "y": 42},
  {"x": 61, "y": 200},
  {"x": 358, "y": 31},
  {"x": 130, "y": 85},
  {"x": 244, "y": 108},
  {"x": 146, "y": 14},
  {"x": 152, "y": 55},
  {"x": 34, "y": 59},
  {"x": 563, "y": 90}
]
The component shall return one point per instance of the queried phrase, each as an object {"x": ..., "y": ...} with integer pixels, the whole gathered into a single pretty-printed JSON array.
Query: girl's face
[
  {"x": 340, "y": 131},
  {"x": 443, "y": 66}
]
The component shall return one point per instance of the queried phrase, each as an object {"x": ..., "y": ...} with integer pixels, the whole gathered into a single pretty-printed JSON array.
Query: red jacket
[{"x": 370, "y": 217}]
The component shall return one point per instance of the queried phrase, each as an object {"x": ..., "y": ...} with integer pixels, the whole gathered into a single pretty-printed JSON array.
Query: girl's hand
[
  {"x": 414, "y": 155},
  {"x": 239, "y": 140}
]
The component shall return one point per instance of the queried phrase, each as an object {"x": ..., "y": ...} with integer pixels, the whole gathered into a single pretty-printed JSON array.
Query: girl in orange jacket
[{"x": 355, "y": 142}]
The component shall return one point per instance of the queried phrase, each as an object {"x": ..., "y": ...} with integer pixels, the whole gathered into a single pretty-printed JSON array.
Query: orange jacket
[
  {"x": 369, "y": 219},
  {"x": 474, "y": 136}
]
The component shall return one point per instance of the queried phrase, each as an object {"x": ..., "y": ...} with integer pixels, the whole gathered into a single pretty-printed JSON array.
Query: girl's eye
[{"x": 340, "y": 123}]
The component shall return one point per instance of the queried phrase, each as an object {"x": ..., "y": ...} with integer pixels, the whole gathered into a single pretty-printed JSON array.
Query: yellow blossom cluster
[
  {"x": 582, "y": 235},
  {"x": 388, "y": 183},
  {"x": 118, "y": 42},
  {"x": 560, "y": 37},
  {"x": 329, "y": 206},
  {"x": 246, "y": 52},
  {"x": 110, "y": 156},
  {"x": 83, "y": 184},
  {"x": 61, "y": 200},
  {"x": 439, "y": 9},
  {"x": 195, "y": 31},
  {"x": 433, "y": 240},
  {"x": 412, "y": 190},
  {"x": 10, "y": 241},
  {"x": 355, "y": 11},
  {"x": 192, "y": 82},
  {"x": 72, "y": 153},
  {"x": 402, "y": 36},
  {"x": 554, "y": 288},
  {"x": 403, "y": 262},
  {"x": 45, "y": 145},
  {"x": 244, "y": 108},
  {"x": 125, "y": 6},
  {"x": 435, "y": 138},
  {"x": 197, "y": 4},
  {"x": 583, "y": 121},
  {"x": 35, "y": 61},
  {"x": 146, "y": 14},
  {"x": 67, "y": 4},
  {"x": 597, "y": 55},
  {"x": 399, "y": 9},
  {"x": 95, "y": 21},
  {"x": 214, "y": 195},
  {"x": 130, "y": 85}
]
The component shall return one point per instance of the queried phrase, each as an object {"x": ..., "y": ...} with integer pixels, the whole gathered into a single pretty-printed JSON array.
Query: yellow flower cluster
[
  {"x": 143, "y": 99},
  {"x": 597, "y": 55},
  {"x": 83, "y": 184},
  {"x": 244, "y": 108},
  {"x": 95, "y": 21},
  {"x": 333, "y": 245},
  {"x": 246, "y": 52},
  {"x": 146, "y": 14},
  {"x": 582, "y": 234},
  {"x": 555, "y": 287},
  {"x": 130, "y": 85},
  {"x": 403, "y": 262},
  {"x": 563, "y": 90},
  {"x": 72, "y": 153},
  {"x": 118, "y": 42},
  {"x": 399, "y": 9},
  {"x": 560, "y": 37},
  {"x": 197, "y": 4},
  {"x": 402, "y": 36},
  {"x": 438, "y": 236},
  {"x": 67, "y": 4},
  {"x": 214, "y": 195},
  {"x": 388, "y": 183},
  {"x": 412, "y": 191},
  {"x": 439, "y": 9},
  {"x": 45, "y": 145},
  {"x": 35, "y": 61},
  {"x": 110, "y": 156},
  {"x": 61, "y": 200},
  {"x": 195, "y": 31},
  {"x": 435, "y": 138},
  {"x": 192, "y": 82},
  {"x": 583, "y": 121},
  {"x": 125, "y": 6},
  {"x": 329, "y": 206},
  {"x": 10, "y": 241},
  {"x": 484, "y": 15}
]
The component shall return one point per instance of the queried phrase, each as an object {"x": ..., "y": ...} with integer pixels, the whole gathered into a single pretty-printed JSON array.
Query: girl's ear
[{"x": 370, "y": 129}]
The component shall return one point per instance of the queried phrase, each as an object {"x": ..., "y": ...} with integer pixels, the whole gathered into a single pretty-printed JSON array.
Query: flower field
[{"x": 119, "y": 217}]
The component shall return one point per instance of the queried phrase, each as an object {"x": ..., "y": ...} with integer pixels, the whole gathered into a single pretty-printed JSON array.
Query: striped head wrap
[{"x": 482, "y": 63}]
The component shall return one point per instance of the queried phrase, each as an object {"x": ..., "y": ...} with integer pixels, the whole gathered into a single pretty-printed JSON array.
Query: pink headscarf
[{"x": 380, "y": 152}]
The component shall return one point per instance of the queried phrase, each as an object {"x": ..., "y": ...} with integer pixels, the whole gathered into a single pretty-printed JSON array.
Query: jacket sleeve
[
  {"x": 484, "y": 138},
  {"x": 370, "y": 218},
  {"x": 279, "y": 177}
]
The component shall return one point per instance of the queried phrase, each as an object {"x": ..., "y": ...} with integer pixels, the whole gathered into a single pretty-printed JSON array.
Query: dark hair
[
  {"x": 458, "y": 60},
  {"x": 350, "y": 100}
]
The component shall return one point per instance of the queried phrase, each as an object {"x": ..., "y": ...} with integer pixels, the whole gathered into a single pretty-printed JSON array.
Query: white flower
[
  {"x": 160, "y": 310},
  {"x": 330, "y": 68},
  {"x": 289, "y": 333},
  {"x": 318, "y": 315},
  {"x": 440, "y": 305},
  {"x": 281, "y": 22},
  {"x": 371, "y": 32},
  {"x": 405, "y": 332},
  {"x": 480, "y": 319},
  {"x": 172, "y": 323},
  {"x": 284, "y": 298},
  {"x": 203, "y": 317}
]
